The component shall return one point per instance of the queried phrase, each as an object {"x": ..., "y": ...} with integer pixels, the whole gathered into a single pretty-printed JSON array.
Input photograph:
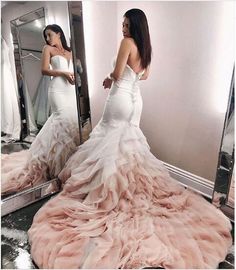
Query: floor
[
  {"x": 7, "y": 148},
  {"x": 15, "y": 251}
]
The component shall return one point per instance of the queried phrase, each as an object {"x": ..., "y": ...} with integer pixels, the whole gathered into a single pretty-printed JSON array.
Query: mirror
[
  {"x": 48, "y": 137},
  {"x": 78, "y": 47},
  {"x": 223, "y": 196}
]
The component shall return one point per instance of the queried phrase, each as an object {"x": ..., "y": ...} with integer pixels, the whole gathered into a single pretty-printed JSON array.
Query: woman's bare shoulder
[
  {"x": 128, "y": 44},
  {"x": 47, "y": 48},
  {"x": 128, "y": 41}
]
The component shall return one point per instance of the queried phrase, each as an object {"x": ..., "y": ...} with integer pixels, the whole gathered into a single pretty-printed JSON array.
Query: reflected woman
[
  {"x": 119, "y": 207},
  {"x": 59, "y": 136}
]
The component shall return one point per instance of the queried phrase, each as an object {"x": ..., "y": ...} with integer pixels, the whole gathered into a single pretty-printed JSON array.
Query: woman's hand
[
  {"x": 70, "y": 77},
  {"x": 107, "y": 83}
]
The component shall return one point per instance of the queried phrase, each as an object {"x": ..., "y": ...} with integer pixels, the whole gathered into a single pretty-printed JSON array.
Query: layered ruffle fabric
[
  {"x": 52, "y": 147},
  {"x": 120, "y": 208}
]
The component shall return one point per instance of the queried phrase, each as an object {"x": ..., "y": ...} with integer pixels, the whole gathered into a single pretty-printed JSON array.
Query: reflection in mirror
[
  {"x": 224, "y": 185},
  {"x": 10, "y": 113},
  {"x": 28, "y": 43},
  {"x": 231, "y": 192},
  {"x": 45, "y": 75},
  {"x": 78, "y": 47}
]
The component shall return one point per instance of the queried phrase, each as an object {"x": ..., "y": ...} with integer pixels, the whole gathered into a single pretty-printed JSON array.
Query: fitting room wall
[
  {"x": 100, "y": 33},
  {"x": 185, "y": 97}
]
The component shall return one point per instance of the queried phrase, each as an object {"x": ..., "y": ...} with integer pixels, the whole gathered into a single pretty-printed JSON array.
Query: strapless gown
[
  {"x": 53, "y": 145},
  {"x": 119, "y": 207}
]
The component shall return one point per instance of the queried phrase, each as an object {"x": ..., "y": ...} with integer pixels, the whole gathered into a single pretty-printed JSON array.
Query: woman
[
  {"x": 58, "y": 138},
  {"x": 119, "y": 207}
]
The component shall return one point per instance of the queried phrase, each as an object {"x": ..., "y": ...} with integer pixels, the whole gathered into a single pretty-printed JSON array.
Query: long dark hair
[
  {"x": 56, "y": 29},
  {"x": 139, "y": 31}
]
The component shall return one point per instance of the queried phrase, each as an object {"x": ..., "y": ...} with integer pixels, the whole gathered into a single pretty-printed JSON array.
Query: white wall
[
  {"x": 57, "y": 13},
  {"x": 186, "y": 94},
  {"x": 100, "y": 24}
]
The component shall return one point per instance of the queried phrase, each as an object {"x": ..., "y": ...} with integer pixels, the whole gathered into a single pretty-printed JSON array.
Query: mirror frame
[
  {"x": 73, "y": 48},
  {"x": 72, "y": 44},
  {"x": 28, "y": 196},
  {"x": 221, "y": 192}
]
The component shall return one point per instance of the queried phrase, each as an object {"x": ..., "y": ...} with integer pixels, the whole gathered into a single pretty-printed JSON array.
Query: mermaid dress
[
  {"x": 53, "y": 145},
  {"x": 119, "y": 207}
]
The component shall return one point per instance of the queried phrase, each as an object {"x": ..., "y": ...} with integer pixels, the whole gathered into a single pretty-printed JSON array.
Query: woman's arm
[
  {"x": 121, "y": 61},
  {"x": 122, "y": 58},
  {"x": 45, "y": 68}
]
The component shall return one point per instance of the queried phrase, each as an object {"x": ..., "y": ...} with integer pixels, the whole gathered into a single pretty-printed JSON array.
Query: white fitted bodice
[
  {"x": 60, "y": 84},
  {"x": 61, "y": 94}
]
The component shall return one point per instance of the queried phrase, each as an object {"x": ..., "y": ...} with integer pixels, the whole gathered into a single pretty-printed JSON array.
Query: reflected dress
[
  {"x": 53, "y": 145},
  {"x": 10, "y": 114},
  {"x": 119, "y": 207}
]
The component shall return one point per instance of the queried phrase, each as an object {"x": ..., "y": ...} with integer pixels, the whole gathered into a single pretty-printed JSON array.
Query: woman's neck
[{"x": 59, "y": 47}]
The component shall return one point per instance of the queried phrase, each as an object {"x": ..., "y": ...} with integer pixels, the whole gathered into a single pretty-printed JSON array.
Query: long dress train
[
  {"x": 119, "y": 207},
  {"x": 53, "y": 145}
]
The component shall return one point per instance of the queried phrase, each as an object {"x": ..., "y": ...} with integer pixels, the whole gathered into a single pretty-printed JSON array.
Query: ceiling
[{"x": 4, "y": 3}]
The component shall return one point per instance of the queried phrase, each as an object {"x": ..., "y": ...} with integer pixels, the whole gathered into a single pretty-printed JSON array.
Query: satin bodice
[
  {"x": 59, "y": 62},
  {"x": 129, "y": 81},
  {"x": 59, "y": 83}
]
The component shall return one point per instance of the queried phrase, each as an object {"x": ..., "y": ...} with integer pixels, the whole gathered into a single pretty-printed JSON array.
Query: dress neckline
[{"x": 67, "y": 60}]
